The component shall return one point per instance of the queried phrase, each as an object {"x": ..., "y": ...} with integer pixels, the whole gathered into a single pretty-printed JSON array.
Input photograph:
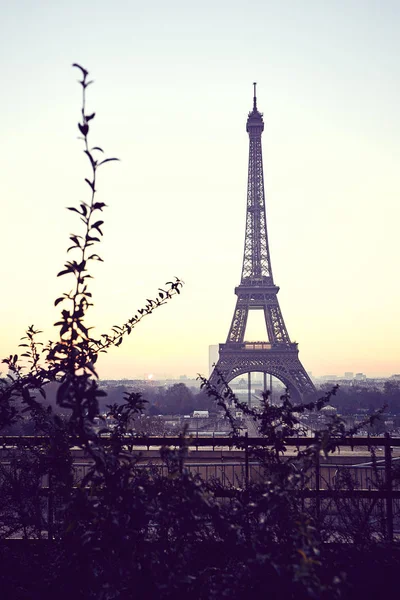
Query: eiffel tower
[{"x": 278, "y": 357}]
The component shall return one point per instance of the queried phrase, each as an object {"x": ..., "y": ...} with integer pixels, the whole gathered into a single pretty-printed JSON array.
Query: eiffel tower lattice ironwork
[{"x": 257, "y": 291}]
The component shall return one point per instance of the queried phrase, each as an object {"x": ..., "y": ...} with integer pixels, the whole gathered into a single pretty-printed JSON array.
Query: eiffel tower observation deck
[{"x": 277, "y": 355}]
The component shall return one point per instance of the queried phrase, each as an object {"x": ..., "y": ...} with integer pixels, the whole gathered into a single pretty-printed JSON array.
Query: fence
[{"x": 329, "y": 490}]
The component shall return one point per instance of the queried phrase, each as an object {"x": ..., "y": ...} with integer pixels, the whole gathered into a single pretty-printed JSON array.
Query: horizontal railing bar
[
  {"x": 322, "y": 493},
  {"x": 237, "y": 463},
  {"x": 225, "y": 463},
  {"x": 157, "y": 441}
]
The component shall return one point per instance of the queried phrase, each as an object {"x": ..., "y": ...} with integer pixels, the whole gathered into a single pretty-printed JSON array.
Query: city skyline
[{"x": 172, "y": 92}]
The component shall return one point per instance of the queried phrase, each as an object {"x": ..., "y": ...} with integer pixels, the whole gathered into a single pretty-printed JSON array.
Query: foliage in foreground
[{"x": 124, "y": 530}]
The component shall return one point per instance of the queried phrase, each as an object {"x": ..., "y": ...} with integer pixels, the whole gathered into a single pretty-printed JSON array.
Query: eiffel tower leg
[
  {"x": 239, "y": 321},
  {"x": 222, "y": 368}
]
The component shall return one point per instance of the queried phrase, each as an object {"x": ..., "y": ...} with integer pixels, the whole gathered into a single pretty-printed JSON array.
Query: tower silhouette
[{"x": 257, "y": 291}]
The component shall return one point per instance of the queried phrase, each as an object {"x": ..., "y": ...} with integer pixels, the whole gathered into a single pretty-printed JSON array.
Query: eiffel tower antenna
[{"x": 277, "y": 356}]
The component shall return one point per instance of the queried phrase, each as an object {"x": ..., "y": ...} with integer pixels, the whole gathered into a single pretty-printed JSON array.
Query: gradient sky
[{"x": 172, "y": 92}]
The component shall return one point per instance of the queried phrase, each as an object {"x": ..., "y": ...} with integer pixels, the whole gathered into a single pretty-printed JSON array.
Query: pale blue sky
[{"x": 172, "y": 91}]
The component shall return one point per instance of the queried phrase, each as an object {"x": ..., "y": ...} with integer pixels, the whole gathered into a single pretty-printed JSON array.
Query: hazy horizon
[{"x": 173, "y": 86}]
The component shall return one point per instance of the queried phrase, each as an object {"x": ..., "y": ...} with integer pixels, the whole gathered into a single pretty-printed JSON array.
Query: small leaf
[
  {"x": 90, "y": 157},
  {"x": 90, "y": 184},
  {"x": 82, "y": 327},
  {"x": 95, "y": 257},
  {"x": 97, "y": 226},
  {"x": 83, "y": 128},
  {"x": 84, "y": 72},
  {"x": 63, "y": 272},
  {"x": 107, "y": 160}
]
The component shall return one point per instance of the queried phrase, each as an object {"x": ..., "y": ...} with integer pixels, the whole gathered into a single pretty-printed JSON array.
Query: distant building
[
  {"x": 329, "y": 410},
  {"x": 201, "y": 414},
  {"x": 241, "y": 384},
  {"x": 213, "y": 356},
  {"x": 349, "y": 375},
  {"x": 328, "y": 377},
  {"x": 360, "y": 377}
]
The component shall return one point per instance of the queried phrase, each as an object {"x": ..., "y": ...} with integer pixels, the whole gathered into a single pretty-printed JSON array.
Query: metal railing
[{"x": 370, "y": 481}]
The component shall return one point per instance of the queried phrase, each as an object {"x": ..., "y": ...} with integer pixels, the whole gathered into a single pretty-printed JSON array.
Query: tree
[{"x": 179, "y": 399}]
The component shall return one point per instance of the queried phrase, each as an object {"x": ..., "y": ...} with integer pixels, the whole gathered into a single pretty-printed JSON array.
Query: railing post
[
  {"x": 50, "y": 509},
  {"x": 181, "y": 443},
  {"x": 389, "y": 488},
  {"x": 246, "y": 458},
  {"x": 317, "y": 487}
]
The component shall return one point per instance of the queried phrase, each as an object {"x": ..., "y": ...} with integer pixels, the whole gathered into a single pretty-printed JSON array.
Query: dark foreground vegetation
[
  {"x": 37, "y": 570},
  {"x": 126, "y": 531}
]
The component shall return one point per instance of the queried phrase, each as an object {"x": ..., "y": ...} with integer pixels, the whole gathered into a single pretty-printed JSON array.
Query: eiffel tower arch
[{"x": 278, "y": 356}]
